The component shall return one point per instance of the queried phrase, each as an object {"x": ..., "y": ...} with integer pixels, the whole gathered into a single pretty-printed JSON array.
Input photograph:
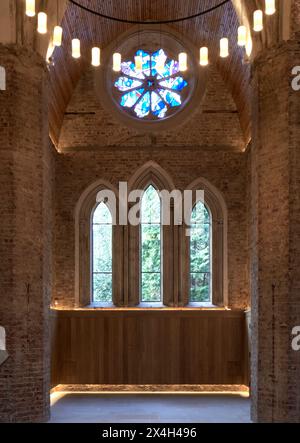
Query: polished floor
[{"x": 149, "y": 408}]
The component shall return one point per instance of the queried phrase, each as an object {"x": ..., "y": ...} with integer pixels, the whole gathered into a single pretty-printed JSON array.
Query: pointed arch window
[
  {"x": 200, "y": 255},
  {"x": 102, "y": 255},
  {"x": 150, "y": 247}
]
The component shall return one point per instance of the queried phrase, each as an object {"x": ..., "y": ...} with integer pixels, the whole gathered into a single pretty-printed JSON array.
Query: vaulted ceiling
[{"x": 206, "y": 30}]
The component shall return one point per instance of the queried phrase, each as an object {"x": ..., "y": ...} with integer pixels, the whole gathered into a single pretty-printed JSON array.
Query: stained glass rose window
[{"x": 152, "y": 90}]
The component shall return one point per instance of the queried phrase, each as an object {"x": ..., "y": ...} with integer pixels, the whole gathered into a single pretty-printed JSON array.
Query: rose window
[{"x": 152, "y": 87}]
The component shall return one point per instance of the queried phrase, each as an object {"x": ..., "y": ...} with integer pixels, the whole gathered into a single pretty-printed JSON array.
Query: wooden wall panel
[{"x": 141, "y": 346}]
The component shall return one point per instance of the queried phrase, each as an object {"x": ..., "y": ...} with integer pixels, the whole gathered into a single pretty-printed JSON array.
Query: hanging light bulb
[
  {"x": 117, "y": 61},
  {"x": 30, "y": 8},
  {"x": 182, "y": 58},
  {"x": 96, "y": 57},
  {"x": 57, "y": 36},
  {"x": 224, "y": 47},
  {"x": 258, "y": 21},
  {"x": 42, "y": 23},
  {"x": 138, "y": 63},
  {"x": 242, "y": 36},
  {"x": 270, "y": 7},
  {"x": 204, "y": 56},
  {"x": 76, "y": 48}
]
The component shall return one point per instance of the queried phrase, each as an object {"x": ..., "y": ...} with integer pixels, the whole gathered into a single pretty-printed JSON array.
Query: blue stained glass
[
  {"x": 146, "y": 62},
  {"x": 128, "y": 100},
  {"x": 125, "y": 84},
  {"x": 172, "y": 98},
  {"x": 128, "y": 68},
  {"x": 177, "y": 83},
  {"x": 158, "y": 107},
  {"x": 142, "y": 109},
  {"x": 171, "y": 68},
  {"x": 158, "y": 62},
  {"x": 144, "y": 91}
]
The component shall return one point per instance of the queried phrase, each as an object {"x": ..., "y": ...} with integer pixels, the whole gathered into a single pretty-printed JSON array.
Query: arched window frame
[
  {"x": 92, "y": 223},
  {"x": 215, "y": 203},
  {"x": 210, "y": 302},
  {"x": 151, "y": 174},
  {"x": 143, "y": 302},
  {"x": 83, "y": 247},
  {"x": 175, "y": 245}
]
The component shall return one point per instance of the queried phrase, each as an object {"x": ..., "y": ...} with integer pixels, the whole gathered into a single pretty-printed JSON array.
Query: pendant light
[
  {"x": 258, "y": 21},
  {"x": 30, "y": 8},
  {"x": 96, "y": 57},
  {"x": 117, "y": 61},
  {"x": 224, "y": 47},
  {"x": 76, "y": 48},
  {"x": 204, "y": 56},
  {"x": 270, "y": 7},
  {"x": 242, "y": 35},
  {"x": 58, "y": 31},
  {"x": 57, "y": 36},
  {"x": 182, "y": 58},
  {"x": 42, "y": 23}
]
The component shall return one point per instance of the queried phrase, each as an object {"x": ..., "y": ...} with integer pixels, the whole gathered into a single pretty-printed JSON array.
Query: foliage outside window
[
  {"x": 151, "y": 246},
  {"x": 200, "y": 255},
  {"x": 102, "y": 255}
]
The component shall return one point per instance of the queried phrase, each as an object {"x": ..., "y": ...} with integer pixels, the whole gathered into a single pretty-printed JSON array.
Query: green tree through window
[
  {"x": 151, "y": 246},
  {"x": 200, "y": 255},
  {"x": 102, "y": 254}
]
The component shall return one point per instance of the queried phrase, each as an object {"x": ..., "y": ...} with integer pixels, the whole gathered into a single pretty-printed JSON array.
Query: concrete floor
[{"x": 150, "y": 408}]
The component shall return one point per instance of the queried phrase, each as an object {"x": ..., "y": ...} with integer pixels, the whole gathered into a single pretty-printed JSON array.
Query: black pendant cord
[{"x": 138, "y": 22}]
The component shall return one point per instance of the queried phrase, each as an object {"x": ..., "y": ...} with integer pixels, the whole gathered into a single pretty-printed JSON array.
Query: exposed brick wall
[
  {"x": 215, "y": 123},
  {"x": 275, "y": 242},
  {"x": 76, "y": 171},
  {"x": 210, "y": 145},
  {"x": 25, "y": 236}
]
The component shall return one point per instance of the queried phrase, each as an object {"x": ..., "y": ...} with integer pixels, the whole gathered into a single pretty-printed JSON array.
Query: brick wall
[
  {"x": 214, "y": 123},
  {"x": 25, "y": 236},
  {"x": 95, "y": 145},
  {"x": 275, "y": 242}
]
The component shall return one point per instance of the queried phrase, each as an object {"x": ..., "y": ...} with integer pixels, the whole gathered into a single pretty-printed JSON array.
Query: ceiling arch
[{"x": 66, "y": 72}]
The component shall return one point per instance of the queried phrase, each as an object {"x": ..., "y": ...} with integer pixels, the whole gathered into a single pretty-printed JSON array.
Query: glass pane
[
  {"x": 102, "y": 288},
  {"x": 172, "y": 98},
  {"x": 158, "y": 106},
  {"x": 177, "y": 83},
  {"x": 142, "y": 108},
  {"x": 151, "y": 248},
  {"x": 200, "y": 214},
  {"x": 200, "y": 248},
  {"x": 200, "y": 254},
  {"x": 102, "y": 254},
  {"x": 102, "y": 250},
  {"x": 102, "y": 214},
  {"x": 129, "y": 100},
  {"x": 151, "y": 287},
  {"x": 150, "y": 206},
  {"x": 200, "y": 288},
  {"x": 125, "y": 84}
]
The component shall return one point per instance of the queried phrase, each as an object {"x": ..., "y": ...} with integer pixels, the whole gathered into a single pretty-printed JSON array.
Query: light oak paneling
[{"x": 139, "y": 346}]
